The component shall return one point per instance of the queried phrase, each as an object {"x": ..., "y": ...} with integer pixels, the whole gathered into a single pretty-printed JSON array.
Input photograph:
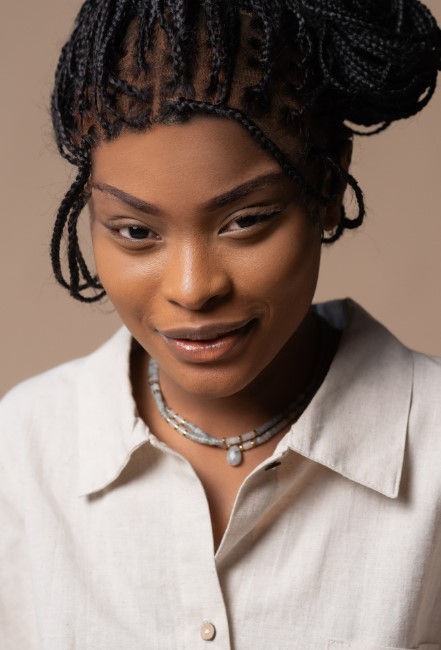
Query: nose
[{"x": 195, "y": 277}]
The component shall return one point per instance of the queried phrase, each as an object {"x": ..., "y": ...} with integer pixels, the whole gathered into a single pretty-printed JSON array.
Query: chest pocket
[{"x": 359, "y": 645}]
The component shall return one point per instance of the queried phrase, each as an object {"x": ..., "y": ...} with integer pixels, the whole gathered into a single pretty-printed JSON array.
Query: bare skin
[{"x": 183, "y": 261}]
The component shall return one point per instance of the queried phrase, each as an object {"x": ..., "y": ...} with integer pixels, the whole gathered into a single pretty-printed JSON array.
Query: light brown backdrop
[{"x": 392, "y": 266}]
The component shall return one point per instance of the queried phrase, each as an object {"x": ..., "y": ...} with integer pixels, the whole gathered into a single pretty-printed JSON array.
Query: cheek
[
  {"x": 284, "y": 272},
  {"x": 123, "y": 277}
]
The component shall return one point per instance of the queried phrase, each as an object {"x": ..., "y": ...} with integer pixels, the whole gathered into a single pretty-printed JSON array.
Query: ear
[{"x": 330, "y": 214}]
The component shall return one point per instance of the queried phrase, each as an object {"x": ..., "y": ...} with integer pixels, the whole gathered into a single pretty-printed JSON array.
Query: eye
[
  {"x": 135, "y": 233},
  {"x": 249, "y": 221}
]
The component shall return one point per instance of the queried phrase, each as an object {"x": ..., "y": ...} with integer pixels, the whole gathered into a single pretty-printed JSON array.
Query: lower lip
[{"x": 213, "y": 349}]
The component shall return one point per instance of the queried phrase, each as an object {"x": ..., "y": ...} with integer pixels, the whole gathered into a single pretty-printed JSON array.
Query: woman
[{"x": 236, "y": 467}]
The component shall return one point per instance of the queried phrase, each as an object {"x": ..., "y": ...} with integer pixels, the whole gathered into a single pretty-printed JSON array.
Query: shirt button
[
  {"x": 208, "y": 631},
  {"x": 273, "y": 465}
]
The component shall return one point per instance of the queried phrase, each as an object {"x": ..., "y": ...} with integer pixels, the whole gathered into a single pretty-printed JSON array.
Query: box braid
[
  {"x": 270, "y": 26},
  {"x": 356, "y": 67}
]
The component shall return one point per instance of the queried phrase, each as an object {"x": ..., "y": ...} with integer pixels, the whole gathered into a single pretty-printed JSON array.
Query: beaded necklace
[{"x": 235, "y": 446}]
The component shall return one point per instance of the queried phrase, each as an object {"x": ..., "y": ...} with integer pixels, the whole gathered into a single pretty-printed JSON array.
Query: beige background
[{"x": 392, "y": 266}]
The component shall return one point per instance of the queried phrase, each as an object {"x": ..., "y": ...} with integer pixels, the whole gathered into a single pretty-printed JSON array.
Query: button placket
[{"x": 203, "y": 606}]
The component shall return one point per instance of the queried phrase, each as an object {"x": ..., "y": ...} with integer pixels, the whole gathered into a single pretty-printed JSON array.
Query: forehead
[{"x": 202, "y": 156}]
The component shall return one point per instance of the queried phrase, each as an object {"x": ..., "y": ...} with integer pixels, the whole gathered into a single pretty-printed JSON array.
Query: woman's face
[{"x": 204, "y": 249}]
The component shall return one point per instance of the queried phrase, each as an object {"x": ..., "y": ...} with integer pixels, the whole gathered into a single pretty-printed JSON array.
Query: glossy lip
[
  {"x": 218, "y": 346},
  {"x": 204, "y": 332}
]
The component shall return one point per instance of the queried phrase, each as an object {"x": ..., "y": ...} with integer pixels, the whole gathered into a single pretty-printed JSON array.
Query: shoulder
[
  {"x": 400, "y": 394},
  {"x": 35, "y": 392},
  {"x": 36, "y": 426},
  {"x": 426, "y": 394},
  {"x": 388, "y": 373},
  {"x": 40, "y": 398},
  {"x": 41, "y": 405},
  {"x": 403, "y": 371},
  {"x": 427, "y": 368}
]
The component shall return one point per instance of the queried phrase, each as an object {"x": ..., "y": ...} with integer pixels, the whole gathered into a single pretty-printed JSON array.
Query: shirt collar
[
  {"x": 109, "y": 429},
  {"x": 356, "y": 423}
]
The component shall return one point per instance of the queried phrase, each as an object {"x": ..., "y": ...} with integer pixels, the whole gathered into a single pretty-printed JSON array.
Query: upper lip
[{"x": 204, "y": 332}]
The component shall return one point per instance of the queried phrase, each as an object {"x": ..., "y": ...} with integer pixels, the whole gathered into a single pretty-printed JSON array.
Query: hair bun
[{"x": 379, "y": 58}]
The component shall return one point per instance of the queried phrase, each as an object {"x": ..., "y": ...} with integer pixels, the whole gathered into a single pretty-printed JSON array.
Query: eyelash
[{"x": 261, "y": 220}]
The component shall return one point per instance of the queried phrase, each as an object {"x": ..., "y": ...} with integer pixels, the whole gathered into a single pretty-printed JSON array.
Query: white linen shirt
[{"x": 334, "y": 541}]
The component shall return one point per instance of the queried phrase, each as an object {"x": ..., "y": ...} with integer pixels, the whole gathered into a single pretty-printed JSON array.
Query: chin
[{"x": 212, "y": 382}]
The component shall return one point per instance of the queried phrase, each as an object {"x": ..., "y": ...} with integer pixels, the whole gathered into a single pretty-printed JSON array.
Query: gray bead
[{"x": 234, "y": 456}]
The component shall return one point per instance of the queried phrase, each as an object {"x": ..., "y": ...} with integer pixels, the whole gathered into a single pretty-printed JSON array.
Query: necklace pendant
[{"x": 234, "y": 456}]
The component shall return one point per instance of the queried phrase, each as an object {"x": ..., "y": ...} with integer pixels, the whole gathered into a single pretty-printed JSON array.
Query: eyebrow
[
  {"x": 221, "y": 200},
  {"x": 133, "y": 201},
  {"x": 244, "y": 189}
]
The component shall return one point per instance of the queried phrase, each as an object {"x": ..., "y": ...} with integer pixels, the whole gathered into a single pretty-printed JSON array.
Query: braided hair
[{"x": 350, "y": 67}]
